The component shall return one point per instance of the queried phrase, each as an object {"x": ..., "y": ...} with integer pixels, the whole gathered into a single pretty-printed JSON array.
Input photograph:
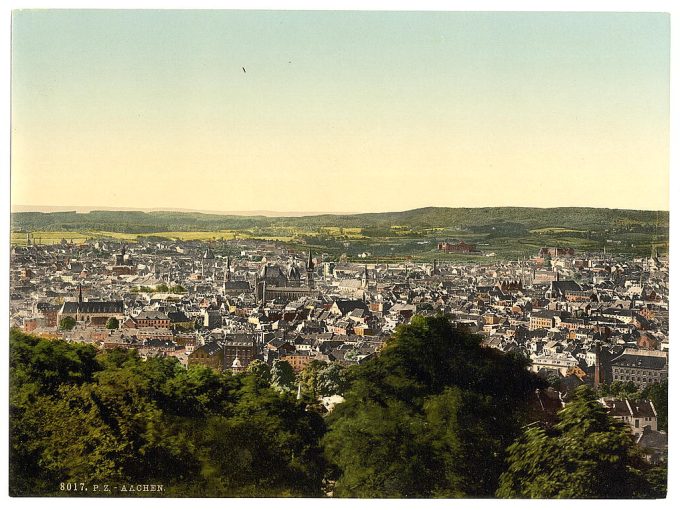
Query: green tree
[
  {"x": 79, "y": 415},
  {"x": 267, "y": 445},
  {"x": 112, "y": 323},
  {"x": 332, "y": 380},
  {"x": 587, "y": 454},
  {"x": 67, "y": 323},
  {"x": 261, "y": 371},
  {"x": 309, "y": 378},
  {"x": 37, "y": 369},
  {"x": 434, "y": 408},
  {"x": 658, "y": 394},
  {"x": 622, "y": 389},
  {"x": 282, "y": 375},
  {"x": 383, "y": 451}
]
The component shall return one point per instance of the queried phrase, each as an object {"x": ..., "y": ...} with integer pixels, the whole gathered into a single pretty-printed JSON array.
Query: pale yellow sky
[{"x": 339, "y": 111}]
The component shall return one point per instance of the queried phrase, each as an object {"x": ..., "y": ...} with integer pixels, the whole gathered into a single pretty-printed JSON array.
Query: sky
[{"x": 339, "y": 111}]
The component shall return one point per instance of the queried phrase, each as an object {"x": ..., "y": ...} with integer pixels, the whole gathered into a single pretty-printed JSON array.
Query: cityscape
[
  {"x": 307, "y": 320},
  {"x": 339, "y": 254}
]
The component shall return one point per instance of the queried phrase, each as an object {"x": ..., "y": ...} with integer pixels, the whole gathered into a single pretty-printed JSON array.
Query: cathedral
[{"x": 272, "y": 282}]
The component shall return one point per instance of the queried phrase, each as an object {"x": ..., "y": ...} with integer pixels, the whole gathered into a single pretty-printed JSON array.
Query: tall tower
[
  {"x": 207, "y": 262},
  {"x": 80, "y": 293},
  {"x": 364, "y": 278},
  {"x": 228, "y": 268},
  {"x": 310, "y": 270},
  {"x": 598, "y": 380}
]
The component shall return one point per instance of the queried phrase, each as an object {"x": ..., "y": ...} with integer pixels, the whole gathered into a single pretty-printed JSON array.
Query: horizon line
[{"x": 49, "y": 209}]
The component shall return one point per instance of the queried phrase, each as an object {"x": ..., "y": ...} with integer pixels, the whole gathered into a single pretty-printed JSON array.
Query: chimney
[{"x": 598, "y": 366}]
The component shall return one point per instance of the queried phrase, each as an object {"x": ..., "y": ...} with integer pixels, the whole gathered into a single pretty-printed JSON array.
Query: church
[
  {"x": 272, "y": 282},
  {"x": 96, "y": 313},
  {"x": 233, "y": 287}
]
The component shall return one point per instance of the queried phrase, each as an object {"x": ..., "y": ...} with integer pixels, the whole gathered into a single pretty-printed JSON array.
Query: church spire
[
  {"x": 310, "y": 270},
  {"x": 80, "y": 293},
  {"x": 364, "y": 277}
]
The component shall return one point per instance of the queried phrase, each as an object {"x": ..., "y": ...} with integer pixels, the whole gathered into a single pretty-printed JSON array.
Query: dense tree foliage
[
  {"x": 333, "y": 379},
  {"x": 322, "y": 379},
  {"x": 261, "y": 371},
  {"x": 282, "y": 375},
  {"x": 430, "y": 417},
  {"x": 619, "y": 389},
  {"x": 67, "y": 323},
  {"x": 658, "y": 394},
  {"x": 112, "y": 323},
  {"x": 76, "y": 415},
  {"x": 587, "y": 454},
  {"x": 434, "y": 415}
]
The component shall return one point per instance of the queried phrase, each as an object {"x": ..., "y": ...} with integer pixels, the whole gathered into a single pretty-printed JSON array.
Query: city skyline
[{"x": 339, "y": 111}]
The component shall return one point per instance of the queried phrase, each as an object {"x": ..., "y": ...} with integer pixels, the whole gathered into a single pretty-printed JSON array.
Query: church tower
[
  {"x": 310, "y": 271},
  {"x": 227, "y": 274},
  {"x": 208, "y": 263},
  {"x": 364, "y": 278}
]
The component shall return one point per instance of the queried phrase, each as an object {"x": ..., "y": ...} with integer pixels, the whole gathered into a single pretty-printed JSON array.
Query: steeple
[
  {"x": 80, "y": 293},
  {"x": 227, "y": 275},
  {"x": 310, "y": 270},
  {"x": 364, "y": 278}
]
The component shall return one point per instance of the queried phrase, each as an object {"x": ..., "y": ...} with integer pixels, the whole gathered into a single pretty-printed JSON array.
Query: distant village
[{"x": 593, "y": 318}]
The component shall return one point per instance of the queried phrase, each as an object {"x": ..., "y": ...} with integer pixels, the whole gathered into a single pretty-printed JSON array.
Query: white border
[{"x": 424, "y": 5}]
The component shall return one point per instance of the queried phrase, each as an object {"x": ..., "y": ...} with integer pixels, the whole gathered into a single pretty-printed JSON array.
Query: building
[
  {"x": 209, "y": 355},
  {"x": 342, "y": 307},
  {"x": 152, "y": 319},
  {"x": 637, "y": 414},
  {"x": 641, "y": 367},
  {"x": 234, "y": 287},
  {"x": 298, "y": 359},
  {"x": 459, "y": 247},
  {"x": 241, "y": 347},
  {"x": 556, "y": 252},
  {"x": 273, "y": 283},
  {"x": 543, "y": 319},
  {"x": 208, "y": 263},
  {"x": 561, "y": 362},
  {"x": 95, "y": 312}
]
